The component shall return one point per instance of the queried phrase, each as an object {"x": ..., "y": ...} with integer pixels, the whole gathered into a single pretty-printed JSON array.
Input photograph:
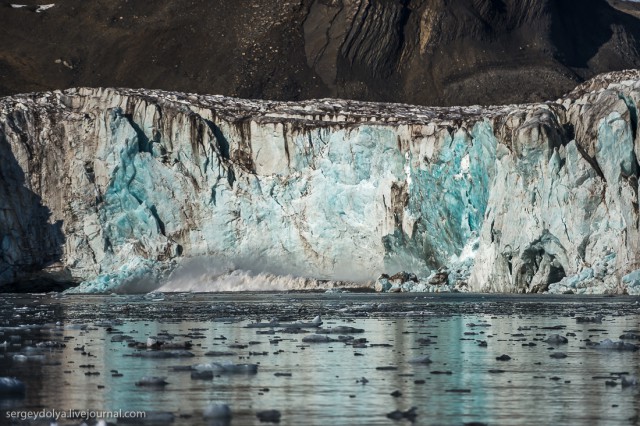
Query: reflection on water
[{"x": 464, "y": 383}]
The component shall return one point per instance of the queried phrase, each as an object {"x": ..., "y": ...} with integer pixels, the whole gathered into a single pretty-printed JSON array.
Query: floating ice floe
[
  {"x": 202, "y": 375},
  {"x": 590, "y": 320},
  {"x": 556, "y": 339},
  {"x": 228, "y": 367},
  {"x": 155, "y": 296},
  {"x": 152, "y": 381},
  {"x": 162, "y": 354},
  {"x": 317, "y": 338},
  {"x": 316, "y": 322},
  {"x": 410, "y": 414},
  {"x": 608, "y": 344},
  {"x": 50, "y": 344},
  {"x": 273, "y": 323},
  {"x": 217, "y": 411},
  {"x": 424, "y": 359}
]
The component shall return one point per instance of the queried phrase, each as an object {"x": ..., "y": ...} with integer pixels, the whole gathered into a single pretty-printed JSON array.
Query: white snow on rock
[
  {"x": 36, "y": 8},
  {"x": 44, "y": 7}
]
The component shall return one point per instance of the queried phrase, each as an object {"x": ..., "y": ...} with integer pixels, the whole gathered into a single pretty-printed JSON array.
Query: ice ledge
[{"x": 316, "y": 112}]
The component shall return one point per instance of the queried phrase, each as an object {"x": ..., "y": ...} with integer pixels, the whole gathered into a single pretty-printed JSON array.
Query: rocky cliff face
[
  {"x": 115, "y": 186},
  {"x": 432, "y": 52}
]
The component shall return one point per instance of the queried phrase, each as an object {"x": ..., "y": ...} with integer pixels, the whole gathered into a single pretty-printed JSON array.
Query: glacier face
[{"x": 112, "y": 187}]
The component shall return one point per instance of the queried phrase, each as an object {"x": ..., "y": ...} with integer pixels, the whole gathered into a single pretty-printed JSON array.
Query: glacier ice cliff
[{"x": 113, "y": 187}]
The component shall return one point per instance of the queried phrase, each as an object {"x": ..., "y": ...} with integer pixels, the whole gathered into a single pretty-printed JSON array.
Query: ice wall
[{"x": 124, "y": 186}]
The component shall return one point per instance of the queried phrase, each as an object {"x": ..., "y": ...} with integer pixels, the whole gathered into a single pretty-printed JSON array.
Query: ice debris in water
[
  {"x": 217, "y": 411},
  {"x": 162, "y": 354},
  {"x": 11, "y": 386},
  {"x": 340, "y": 329},
  {"x": 608, "y": 344},
  {"x": 156, "y": 418},
  {"x": 590, "y": 320},
  {"x": 272, "y": 323},
  {"x": 152, "y": 381},
  {"x": 410, "y": 414},
  {"x": 269, "y": 416},
  {"x": 441, "y": 281},
  {"x": 556, "y": 339},
  {"x": 228, "y": 367},
  {"x": 316, "y": 322},
  {"x": 317, "y": 338},
  {"x": 425, "y": 359},
  {"x": 155, "y": 296},
  {"x": 629, "y": 381}
]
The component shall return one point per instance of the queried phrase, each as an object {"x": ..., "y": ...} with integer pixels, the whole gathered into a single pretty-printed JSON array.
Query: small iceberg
[{"x": 316, "y": 322}]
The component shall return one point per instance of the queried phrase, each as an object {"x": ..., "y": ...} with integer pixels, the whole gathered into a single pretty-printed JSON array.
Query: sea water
[{"x": 90, "y": 354}]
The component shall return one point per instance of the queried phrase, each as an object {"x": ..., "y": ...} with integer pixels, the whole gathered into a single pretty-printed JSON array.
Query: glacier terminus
[{"x": 112, "y": 188}]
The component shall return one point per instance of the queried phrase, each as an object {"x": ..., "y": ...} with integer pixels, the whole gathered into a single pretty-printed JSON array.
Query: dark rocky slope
[{"x": 417, "y": 51}]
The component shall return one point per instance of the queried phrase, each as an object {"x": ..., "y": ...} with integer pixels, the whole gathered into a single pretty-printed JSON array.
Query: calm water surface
[{"x": 464, "y": 383}]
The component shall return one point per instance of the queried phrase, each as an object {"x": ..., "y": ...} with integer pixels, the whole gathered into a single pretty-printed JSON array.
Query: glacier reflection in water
[{"x": 463, "y": 383}]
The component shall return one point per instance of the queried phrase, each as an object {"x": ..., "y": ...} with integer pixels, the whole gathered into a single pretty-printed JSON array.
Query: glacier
[{"x": 122, "y": 188}]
